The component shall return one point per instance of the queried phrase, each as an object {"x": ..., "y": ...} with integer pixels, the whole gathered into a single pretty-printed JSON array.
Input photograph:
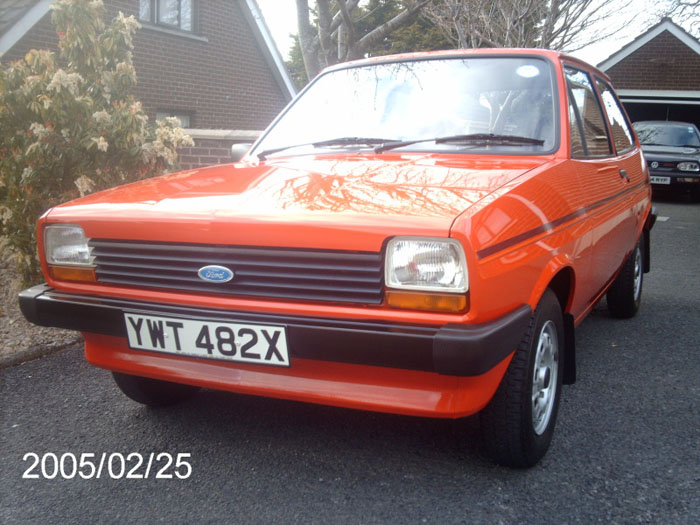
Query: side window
[
  {"x": 622, "y": 136},
  {"x": 585, "y": 104}
]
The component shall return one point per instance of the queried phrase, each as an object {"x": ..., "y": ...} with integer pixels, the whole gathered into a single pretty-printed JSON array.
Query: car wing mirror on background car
[{"x": 239, "y": 150}]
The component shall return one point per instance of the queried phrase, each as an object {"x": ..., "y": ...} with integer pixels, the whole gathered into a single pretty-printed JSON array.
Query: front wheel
[
  {"x": 518, "y": 423},
  {"x": 625, "y": 294},
  {"x": 153, "y": 392}
]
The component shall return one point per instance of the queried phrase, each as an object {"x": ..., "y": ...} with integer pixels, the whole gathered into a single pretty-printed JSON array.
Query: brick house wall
[
  {"x": 218, "y": 75},
  {"x": 212, "y": 147},
  {"x": 664, "y": 63}
]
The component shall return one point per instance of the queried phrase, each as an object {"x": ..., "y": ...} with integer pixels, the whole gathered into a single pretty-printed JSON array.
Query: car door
[
  {"x": 628, "y": 155},
  {"x": 606, "y": 179}
]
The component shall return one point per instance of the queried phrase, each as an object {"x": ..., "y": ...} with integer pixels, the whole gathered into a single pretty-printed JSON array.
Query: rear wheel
[
  {"x": 625, "y": 294},
  {"x": 518, "y": 423},
  {"x": 153, "y": 392}
]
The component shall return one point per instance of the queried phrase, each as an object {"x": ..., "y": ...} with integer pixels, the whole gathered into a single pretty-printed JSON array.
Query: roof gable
[
  {"x": 10, "y": 12},
  {"x": 665, "y": 25},
  {"x": 17, "y": 17}
]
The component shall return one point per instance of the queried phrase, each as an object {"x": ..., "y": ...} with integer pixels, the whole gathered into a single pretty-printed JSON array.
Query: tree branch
[
  {"x": 306, "y": 40},
  {"x": 383, "y": 30},
  {"x": 346, "y": 33}
]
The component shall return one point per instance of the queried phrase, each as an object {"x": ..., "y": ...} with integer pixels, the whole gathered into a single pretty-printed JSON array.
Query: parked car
[
  {"x": 672, "y": 150},
  {"x": 415, "y": 234}
]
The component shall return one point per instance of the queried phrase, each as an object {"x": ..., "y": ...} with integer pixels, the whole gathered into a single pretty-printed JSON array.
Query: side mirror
[{"x": 239, "y": 150}]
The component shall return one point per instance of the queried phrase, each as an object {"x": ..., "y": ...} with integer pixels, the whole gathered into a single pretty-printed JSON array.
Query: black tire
[
  {"x": 511, "y": 435},
  {"x": 625, "y": 294},
  {"x": 153, "y": 392}
]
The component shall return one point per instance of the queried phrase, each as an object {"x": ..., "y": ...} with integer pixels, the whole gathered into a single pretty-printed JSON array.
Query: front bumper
[
  {"x": 452, "y": 349},
  {"x": 675, "y": 181}
]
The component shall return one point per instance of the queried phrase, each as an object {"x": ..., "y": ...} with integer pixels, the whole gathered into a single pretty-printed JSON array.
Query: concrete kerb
[{"x": 35, "y": 352}]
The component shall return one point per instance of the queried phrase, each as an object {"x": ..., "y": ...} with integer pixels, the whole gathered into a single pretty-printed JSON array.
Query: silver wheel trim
[
  {"x": 544, "y": 377},
  {"x": 637, "y": 273}
]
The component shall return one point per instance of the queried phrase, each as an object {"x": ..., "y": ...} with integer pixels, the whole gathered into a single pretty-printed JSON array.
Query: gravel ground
[{"x": 21, "y": 340}]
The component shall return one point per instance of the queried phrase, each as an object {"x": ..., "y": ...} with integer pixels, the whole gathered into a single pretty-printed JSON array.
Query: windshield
[
  {"x": 663, "y": 134},
  {"x": 419, "y": 101}
]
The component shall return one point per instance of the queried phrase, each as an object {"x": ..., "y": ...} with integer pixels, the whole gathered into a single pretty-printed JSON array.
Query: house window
[
  {"x": 184, "y": 118},
  {"x": 175, "y": 14}
]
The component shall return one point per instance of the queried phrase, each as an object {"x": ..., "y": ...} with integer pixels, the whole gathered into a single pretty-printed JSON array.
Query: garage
[{"x": 657, "y": 75}]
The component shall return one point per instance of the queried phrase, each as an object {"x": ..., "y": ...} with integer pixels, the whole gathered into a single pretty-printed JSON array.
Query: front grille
[{"x": 284, "y": 273}]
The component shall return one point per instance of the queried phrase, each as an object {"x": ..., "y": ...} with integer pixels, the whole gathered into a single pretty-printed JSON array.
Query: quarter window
[
  {"x": 589, "y": 115},
  {"x": 622, "y": 136},
  {"x": 577, "y": 150},
  {"x": 176, "y": 14}
]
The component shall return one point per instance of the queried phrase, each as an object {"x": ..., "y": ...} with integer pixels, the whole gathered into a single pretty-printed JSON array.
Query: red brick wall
[
  {"x": 205, "y": 152},
  {"x": 210, "y": 149},
  {"x": 225, "y": 83},
  {"x": 664, "y": 63}
]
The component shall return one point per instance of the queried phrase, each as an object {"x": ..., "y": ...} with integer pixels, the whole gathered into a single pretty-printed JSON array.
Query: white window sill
[{"x": 174, "y": 32}]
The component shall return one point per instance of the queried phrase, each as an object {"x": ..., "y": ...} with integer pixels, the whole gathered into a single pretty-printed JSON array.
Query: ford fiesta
[{"x": 417, "y": 234}]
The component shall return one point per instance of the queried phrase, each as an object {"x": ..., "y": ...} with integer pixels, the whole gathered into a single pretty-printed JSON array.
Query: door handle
[{"x": 623, "y": 175}]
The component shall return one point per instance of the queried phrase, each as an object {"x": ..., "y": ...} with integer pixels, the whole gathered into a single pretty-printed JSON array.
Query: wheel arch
[
  {"x": 646, "y": 236},
  {"x": 561, "y": 279}
]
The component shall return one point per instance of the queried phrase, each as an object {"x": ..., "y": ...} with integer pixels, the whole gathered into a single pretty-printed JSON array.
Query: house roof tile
[{"x": 11, "y": 11}]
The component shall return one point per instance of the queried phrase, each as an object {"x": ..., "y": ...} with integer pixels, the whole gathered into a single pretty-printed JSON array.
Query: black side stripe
[{"x": 548, "y": 227}]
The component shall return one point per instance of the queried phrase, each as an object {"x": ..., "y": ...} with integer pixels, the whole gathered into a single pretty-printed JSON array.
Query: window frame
[
  {"x": 154, "y": 18},
  {"x": 177, "y": 113}
]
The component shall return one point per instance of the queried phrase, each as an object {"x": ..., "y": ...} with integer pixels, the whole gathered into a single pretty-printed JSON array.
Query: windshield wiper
[
  {"x": 472, "y": 139},
  {"x": 389, "y": 144},
  {"x": 489, "y": 138},
  {"x": 670, "y": 145},
  {"x": 351, "y": 141},
  {"x": 340, "y": 141}
]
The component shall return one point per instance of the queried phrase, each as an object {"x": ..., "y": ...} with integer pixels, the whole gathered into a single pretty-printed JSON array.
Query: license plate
[
  {"x": 656, "y": 179},
  {"x": 241, "y": 342}
]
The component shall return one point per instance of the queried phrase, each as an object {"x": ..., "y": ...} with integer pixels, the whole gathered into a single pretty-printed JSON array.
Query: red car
[{"x": 414, "y": 234}]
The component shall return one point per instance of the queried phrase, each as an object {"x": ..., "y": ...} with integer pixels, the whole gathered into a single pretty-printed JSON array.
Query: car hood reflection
[{"x": 419, "y": 193}]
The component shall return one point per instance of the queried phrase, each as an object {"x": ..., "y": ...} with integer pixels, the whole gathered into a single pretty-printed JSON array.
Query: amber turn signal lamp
[
  {"x": 73, "y": 273},
  {"x": 433, "y": 302}
]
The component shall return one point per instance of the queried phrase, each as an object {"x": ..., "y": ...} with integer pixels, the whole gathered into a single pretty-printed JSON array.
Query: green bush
[{"x": 70, "y": 125}]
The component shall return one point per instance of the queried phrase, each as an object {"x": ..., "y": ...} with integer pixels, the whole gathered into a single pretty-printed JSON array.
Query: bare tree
[
  {"x": 554, "y": 24},
  {"x": 335, "y": 37},
  {"x": 683, "y": 12}
]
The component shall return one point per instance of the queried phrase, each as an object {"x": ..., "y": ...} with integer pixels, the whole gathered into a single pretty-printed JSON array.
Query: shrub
[{"x": 70, "y": 125}]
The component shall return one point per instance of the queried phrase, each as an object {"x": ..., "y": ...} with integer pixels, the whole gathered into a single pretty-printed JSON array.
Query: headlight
[
  {"x": 688, "y": 166},
  {"x": 66, "y": 245},
  {"x": 417, "y": 263}
]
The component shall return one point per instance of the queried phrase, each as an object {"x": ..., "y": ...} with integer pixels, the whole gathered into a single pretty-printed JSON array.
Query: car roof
[
  {"x": 665, "y": 122},
  {"x": 479, "y": 52}
]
